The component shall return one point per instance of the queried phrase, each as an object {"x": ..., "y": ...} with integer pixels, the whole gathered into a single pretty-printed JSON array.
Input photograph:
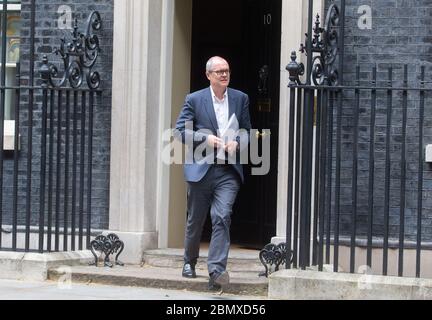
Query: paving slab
[{"x": 51, "y": 290}]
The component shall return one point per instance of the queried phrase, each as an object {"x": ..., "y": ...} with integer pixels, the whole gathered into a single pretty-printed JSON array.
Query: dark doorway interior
[{"x": 247, "y": 33}]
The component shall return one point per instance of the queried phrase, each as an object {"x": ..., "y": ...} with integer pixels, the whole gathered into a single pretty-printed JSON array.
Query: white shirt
[{"x": 221, "y": 109}]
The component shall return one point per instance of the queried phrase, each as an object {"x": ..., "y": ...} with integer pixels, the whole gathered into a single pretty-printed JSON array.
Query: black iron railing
[
  {"x": 49, "y": 206},
  {"x": 358, "y": 186},
  {"x": 390, "y": 179}
]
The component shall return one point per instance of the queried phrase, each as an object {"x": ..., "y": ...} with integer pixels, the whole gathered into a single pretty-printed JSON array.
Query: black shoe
[
  {"x": 189, "y": 271},
  {"x": 218, "y": 280}
]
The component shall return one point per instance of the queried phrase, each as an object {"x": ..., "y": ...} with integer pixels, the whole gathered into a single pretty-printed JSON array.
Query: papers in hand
[{"x": 228, "y": 134}]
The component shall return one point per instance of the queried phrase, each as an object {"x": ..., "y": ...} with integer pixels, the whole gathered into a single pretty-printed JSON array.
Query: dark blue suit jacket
[{"x": 198, "y": 109}]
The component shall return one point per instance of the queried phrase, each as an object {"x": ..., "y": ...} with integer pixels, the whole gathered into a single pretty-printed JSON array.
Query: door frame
[{"x": 294, "y": 20}]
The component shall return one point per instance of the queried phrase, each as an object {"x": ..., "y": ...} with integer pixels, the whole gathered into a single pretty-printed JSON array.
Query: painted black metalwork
[
  {"x": 387, "y": 178},
  {"x": 2, "y": 105},
  {"x": 74, "y": 166},
  {"x": 420, "y": 173},
  {"x": 322, "y": 48},
  {"x": 50, "y": 169},
  {"x": 59, "y": 132},
  {"x": 297, "y": 180},
  {"x": 295, "y": 69},
  {"x": 317, "y": 162},
  {"x": 79, "y": 57},
  {"x": 306, "y": 130},
  {"x": 328, "y": 211},
  {"x": 326, "y": 218},
  {"x": 325, "y": 42},
  {"x": 398, "y": 104},
  {"x": 355, "y": 173},
  {"x": 43, "y": 169},
  {"x": 290, "y": 174},
  {"x": 58, "y": 170},
  {"x": 30, "y": 125},
  {"x": 15, "y": 165},
  {"x": 89, "y": 166},
  {"x": 403, "y": 168},
  {"x": 66, "y": 171},
  {"x": 371, "y": 167},
  {"x": 82, "y": 172},
  {"x": 322, "y": 187},
  {"x": 108, "y": 245},
  {"x": 272, "y": 256}
]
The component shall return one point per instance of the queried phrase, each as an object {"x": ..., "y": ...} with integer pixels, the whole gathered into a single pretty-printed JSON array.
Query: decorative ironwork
[
  {"x": 295, "y": 69},
  {"x": 79, "y": 57},
  {"x": 108, "y": 245},
  {"x": 325, "y": 42},
  {"x": 274, "y": 255}
]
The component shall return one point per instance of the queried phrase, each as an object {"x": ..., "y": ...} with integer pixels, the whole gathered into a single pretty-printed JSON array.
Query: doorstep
[
  {"x": 161, "y": 268},
  {"x": 242, "y": 283}
]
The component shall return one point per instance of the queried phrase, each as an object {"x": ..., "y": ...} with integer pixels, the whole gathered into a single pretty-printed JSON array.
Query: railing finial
[
  {"x": 45, "y": 71},
  {"x": 295, "y": 70}
]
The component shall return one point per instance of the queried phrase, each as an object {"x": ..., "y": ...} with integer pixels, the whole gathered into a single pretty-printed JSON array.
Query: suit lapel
[
  {"x": 208, "y": 102},
  {"x": 231, "y": 103}
]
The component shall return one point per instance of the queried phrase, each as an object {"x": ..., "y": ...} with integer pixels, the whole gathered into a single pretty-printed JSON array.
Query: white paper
[{"x": 228, "y": 134}]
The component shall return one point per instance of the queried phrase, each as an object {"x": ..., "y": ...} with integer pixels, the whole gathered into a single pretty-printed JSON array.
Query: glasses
[{"x": 221, "y": 72}]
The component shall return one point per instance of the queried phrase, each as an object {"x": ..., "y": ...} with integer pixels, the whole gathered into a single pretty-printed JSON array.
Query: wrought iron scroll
[
  {"x": 325, "y": 43},
  {"x": 274, "y": 255},
  {"x": 79, "y": 56},
  {"x": 108, "y": 245}
]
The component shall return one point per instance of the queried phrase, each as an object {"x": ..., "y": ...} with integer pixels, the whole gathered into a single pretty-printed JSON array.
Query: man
[{"x": 211, "y": 184}]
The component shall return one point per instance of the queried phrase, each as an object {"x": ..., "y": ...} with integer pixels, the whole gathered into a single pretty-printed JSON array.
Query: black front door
[{"x": 247, "y": 33}]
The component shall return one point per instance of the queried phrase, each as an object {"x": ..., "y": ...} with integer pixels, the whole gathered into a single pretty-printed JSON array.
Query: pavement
[
  {"x": 68, "y": 290},
  {"x": 161, "y": 269},
  {"x": 157, "y": 278}
]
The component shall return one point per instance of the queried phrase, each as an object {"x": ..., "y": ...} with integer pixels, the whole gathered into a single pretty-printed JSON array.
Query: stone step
[
  {"x": 241, "y": 283},
  {"x": 239, "y": 260}
]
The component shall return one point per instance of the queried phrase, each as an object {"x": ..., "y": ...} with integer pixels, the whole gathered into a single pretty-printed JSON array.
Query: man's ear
[{"x": 208, "y": 75}]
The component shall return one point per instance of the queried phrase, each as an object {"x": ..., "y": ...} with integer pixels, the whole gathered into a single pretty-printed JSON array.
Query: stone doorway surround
[
  {"x": 146, "y": 75},
  {"x": 136, "y": 121}
]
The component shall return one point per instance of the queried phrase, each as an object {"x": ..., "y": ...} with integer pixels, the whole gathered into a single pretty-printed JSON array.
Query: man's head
[{"x": 218, "y": 72}]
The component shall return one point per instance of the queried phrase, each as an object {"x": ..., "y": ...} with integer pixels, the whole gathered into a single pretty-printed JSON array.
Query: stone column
[
  {"x": 136, "y": 130},
  {"x": 294, "y": 26}
]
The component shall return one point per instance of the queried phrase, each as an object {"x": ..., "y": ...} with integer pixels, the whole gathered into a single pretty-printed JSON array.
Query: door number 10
[{"x": 267, "y": 19}]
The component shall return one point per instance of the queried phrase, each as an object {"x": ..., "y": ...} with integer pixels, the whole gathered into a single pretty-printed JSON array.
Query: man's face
[{"x": 219, "y": 75}]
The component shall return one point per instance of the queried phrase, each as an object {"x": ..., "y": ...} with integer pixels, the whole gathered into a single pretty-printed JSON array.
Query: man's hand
[
  {"x": 231, "y": 147},
  {"x": 214, "y": 141}
]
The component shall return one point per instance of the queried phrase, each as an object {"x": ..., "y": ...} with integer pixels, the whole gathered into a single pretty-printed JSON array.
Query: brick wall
[
  {"x": 400, "y": 34},
  {"x": 47, "y": 37}
]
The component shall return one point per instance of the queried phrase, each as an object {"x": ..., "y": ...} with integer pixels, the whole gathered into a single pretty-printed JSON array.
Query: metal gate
[
  {"x": 357, "y": 174},
  {"x": 51, "y": 158}
]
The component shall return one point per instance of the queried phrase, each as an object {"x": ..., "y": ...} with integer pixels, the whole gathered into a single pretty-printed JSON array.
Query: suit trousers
[{"x": 216, "y": 191}]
